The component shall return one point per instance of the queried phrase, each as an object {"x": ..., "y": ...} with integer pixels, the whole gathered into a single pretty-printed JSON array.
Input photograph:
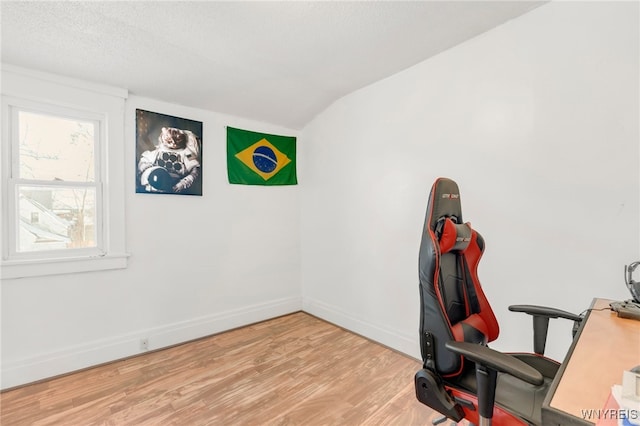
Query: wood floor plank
[{"x": 292, "y": 370}]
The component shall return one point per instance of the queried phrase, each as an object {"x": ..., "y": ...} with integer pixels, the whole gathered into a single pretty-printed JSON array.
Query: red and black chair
[{"x": 462, "y": 378}]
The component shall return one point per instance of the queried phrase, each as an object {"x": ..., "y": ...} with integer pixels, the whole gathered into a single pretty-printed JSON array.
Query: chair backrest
[{"x": 453, "y": 305}]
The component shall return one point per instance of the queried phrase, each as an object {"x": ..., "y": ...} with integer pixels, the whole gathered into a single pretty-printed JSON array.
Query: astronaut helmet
[{"x": 157, "y": 179}]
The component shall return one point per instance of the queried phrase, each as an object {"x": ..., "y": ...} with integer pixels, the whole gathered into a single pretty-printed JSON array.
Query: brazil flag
[{"x": 260, "y": 159}]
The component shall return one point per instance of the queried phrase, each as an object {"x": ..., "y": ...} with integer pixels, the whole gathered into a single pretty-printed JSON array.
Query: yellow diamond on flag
[{"x": 263, "y": 158}]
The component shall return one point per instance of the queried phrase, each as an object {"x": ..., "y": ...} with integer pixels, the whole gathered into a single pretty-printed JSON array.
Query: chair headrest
[
  {"x": 453, "y": 236},
  {"x": 444, "y": 202}
]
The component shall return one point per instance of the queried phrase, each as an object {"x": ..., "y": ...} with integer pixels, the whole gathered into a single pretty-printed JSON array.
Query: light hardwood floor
[{"x": 292, "y": 370}]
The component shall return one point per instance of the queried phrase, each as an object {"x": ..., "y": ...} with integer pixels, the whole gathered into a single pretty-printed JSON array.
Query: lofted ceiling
[{"x": 280, "y": 62}]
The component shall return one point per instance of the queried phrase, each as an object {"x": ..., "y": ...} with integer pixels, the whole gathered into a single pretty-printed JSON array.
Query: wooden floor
[{"x": 292, "y": 370}]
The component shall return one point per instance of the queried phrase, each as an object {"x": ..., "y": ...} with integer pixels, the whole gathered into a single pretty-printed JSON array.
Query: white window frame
[
  {"x": 14, "y": 106},
  {"x": 58, "y": 96}
]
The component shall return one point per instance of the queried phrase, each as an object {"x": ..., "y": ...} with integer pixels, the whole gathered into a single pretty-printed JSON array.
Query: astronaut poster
[{"x": 168, "y": 154}]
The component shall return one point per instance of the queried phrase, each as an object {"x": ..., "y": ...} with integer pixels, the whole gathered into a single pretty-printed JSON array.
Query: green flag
[{"x": 260, "y": 159}]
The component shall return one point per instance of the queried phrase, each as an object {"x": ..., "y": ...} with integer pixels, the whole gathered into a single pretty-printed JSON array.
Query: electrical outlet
[{"x": 144, "y": 344}]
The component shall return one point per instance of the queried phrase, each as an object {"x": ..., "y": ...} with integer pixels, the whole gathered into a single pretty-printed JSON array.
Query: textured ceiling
[{"x": 277, "y": 62}]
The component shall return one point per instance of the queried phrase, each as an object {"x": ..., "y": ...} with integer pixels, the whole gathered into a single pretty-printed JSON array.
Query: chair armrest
[
  {"x": 488, "y": 364},
  {"x": 497, "y": 361},
  {"x": 544, "y": 311},
  {"x": 541, "y": 315}
]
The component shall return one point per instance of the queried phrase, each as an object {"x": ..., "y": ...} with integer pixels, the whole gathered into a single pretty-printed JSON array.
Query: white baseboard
[
  {"x": 394, "y": 339},
  {"x": 23, "y": 371}
]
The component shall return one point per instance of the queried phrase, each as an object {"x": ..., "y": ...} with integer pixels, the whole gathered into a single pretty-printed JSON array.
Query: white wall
[
  {"x": 537, "y": 121},
  {"x": 198, "y": 265}
]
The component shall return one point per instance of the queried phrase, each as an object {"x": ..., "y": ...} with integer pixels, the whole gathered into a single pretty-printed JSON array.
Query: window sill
[{"x": 11, "y": 269}]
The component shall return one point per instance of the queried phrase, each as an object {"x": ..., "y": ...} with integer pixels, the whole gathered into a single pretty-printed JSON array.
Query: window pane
[
  {"x": 56, "y": 148},
  {"x": 54, "y": 218}
]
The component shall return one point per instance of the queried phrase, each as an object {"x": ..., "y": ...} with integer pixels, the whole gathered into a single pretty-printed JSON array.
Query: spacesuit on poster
[{"x": 174, "y": 165}]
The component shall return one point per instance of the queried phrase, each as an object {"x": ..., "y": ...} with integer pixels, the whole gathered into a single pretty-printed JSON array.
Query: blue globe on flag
[{"x": 265, "y": 159}]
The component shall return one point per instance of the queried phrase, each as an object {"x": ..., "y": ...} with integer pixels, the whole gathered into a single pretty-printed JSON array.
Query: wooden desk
[{"x": 604, "y": 347}]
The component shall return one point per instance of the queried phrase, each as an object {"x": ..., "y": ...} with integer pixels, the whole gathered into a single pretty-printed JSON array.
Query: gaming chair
[{"x": 461, "y": 376}]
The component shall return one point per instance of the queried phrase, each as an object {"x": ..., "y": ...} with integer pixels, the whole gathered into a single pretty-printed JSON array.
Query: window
[
  {"x": 63, "y": 208},
  {"x": 55, "y": 203}
]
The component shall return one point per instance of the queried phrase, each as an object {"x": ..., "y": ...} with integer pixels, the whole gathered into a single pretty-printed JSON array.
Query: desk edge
[{"x": 554, "y": 416}]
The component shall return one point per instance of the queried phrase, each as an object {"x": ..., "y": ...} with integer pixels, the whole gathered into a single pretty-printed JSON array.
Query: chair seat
[{"x": 512, "y": 394}]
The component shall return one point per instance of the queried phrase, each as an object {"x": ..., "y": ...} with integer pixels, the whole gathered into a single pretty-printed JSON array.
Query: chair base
[{"x": 443, "y": 419}]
